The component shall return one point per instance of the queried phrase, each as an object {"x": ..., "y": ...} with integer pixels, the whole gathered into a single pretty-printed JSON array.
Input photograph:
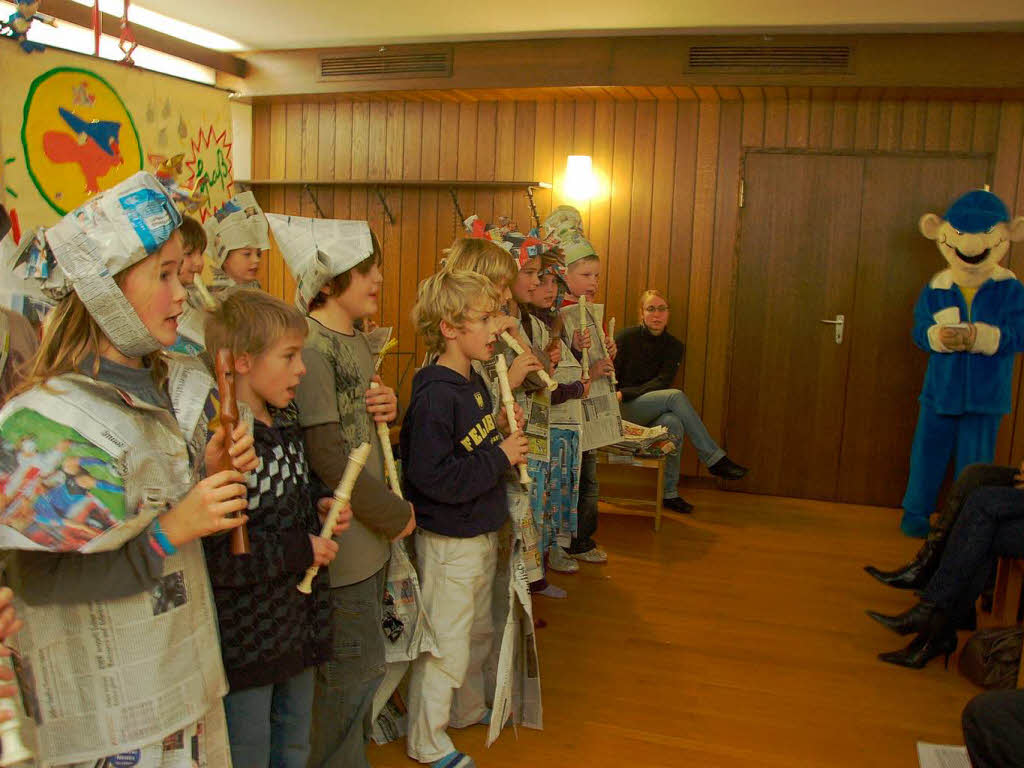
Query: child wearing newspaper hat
[
  {"x": 237, "y": 232},
  {"x": 102, "y": 447},
  {"x": 336, "y": 265},
  {"x": 272, "y": 636},
  {"x": 193, "y": 315},
  {"x": 582, "y": 273},
  {"x": 562, "y": 481}
]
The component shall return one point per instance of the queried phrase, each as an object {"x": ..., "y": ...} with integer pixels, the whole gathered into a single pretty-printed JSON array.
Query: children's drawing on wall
[{"x": 78, "y": 137}]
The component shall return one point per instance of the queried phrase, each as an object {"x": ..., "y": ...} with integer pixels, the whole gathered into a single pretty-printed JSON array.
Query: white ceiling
[{"x": 273, "y": 24}]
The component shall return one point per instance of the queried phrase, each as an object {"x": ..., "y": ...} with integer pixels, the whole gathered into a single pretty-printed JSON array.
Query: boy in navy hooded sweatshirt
[{"x": 455, "y": 459}]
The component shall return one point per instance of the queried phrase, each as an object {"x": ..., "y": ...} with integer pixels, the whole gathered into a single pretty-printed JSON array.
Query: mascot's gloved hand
[
  {"x": 942, "y": 338},
  {"x": 985, "y": 340}
]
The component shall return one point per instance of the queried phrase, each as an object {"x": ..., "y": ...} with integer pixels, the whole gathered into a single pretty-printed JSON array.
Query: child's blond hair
[
  {"x": 476, "y": 254},
  {"x": 249, "y": 322},
  {"x": 448, "y": 296}
]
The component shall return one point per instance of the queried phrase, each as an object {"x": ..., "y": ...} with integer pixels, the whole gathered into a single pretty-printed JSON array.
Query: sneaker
[
  {"x": 595, "y": 555},
  {"x": 561, "y": 562},
  {"x": 552, "y": 591},
  {"x": 727, "y": 469},
  {"x": 677, "y": 504}
]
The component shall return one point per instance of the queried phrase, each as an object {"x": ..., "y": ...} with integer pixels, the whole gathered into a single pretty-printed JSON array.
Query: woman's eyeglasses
[{"x": 656, "y": 308}]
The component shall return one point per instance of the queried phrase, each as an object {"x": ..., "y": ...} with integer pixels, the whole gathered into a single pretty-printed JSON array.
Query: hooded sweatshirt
[{"x": 451, "y": 457}]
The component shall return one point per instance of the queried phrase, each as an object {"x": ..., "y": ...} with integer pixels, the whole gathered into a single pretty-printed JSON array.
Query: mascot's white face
[{"x": 972, "y": 256}]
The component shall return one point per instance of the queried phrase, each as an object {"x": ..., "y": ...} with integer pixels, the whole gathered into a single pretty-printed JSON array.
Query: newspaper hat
[
  {"x": 565, "y": 227},
  {"x": 522, "y": 247},
  {"x": 239, "y": 223},
  {"x": 118, "y": 228},
  {"x": 318, "y": 249}
]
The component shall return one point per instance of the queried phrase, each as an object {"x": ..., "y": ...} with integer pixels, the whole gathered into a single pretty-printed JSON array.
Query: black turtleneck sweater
[{"x": 645, "y": 362}]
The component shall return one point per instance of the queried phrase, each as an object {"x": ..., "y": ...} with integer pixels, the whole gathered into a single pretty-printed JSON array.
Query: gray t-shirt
[{"x": 333, "y": 391}]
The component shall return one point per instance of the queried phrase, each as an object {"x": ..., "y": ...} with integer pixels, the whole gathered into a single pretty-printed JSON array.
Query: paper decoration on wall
[
  {"x": 78, "y": 137},
  {"x": 211, "y": 166}
]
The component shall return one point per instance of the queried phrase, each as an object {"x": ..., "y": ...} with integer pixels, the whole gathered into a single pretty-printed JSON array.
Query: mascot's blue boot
[{"x": 970, "y": 319}]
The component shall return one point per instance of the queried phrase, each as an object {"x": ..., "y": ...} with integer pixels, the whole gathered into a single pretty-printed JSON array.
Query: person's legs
[
  {"x": 248, "y": 717},
  {"x": 972, "y": 477},
  {"x": 291, "y": 713},
  {"x": 671, "y": 422},
  {"x": 345, "y": 685},
  {"x": 469, "y": 703},
  {"x": 992, "y": 522},
  {"x": 648, "y": 407},
  {"x": 934, "y": 441},
  {"x": 993, "y": 725},
  {"x": 450, "y": 572},
  {"x": 586, "y": 524}
]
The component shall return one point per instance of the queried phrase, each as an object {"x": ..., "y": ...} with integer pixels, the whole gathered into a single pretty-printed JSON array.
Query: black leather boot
[
  {"x": 916, "y": 573},
  {"x": 909, "y": 622},
  {"x": 938, "y": 639}
]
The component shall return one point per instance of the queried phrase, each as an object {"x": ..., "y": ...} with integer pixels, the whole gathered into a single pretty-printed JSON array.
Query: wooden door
[
  {"x": 894, "y": 263},
  {"x": 797, "y": 262}
]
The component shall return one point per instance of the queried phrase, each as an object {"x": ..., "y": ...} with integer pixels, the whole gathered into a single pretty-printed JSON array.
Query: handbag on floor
[{"x": 991, "y": 657}]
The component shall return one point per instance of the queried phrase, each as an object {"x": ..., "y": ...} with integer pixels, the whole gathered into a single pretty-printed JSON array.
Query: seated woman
[
  {"x": 647, "y": 361},
  {"x": 990, "y": 525}
]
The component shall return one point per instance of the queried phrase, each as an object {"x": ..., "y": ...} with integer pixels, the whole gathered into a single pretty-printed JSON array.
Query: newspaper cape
[
  {"x": 601, "y": 423},
  {"x": 119, "y": 676}
]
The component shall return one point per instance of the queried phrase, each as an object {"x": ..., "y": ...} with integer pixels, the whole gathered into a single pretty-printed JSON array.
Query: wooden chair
[
  {"x": 657, "y": 464},
  {"x": 1006, "y": 599}
]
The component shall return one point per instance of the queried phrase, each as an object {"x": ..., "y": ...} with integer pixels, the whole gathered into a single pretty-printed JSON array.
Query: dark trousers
[
  {"x": 994, "y": 729},
  {"x": 973, "y": 477},
  {"x": 345, "y": 685},
  {"x": 991, "y": 524},
  {"x": 586, "y": 508}
]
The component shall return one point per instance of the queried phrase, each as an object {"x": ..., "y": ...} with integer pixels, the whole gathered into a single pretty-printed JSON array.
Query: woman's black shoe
[
  {"x": 916, "y": 573},
  {"x": 909, "y": 622},
  {"x": 727, "y": 469},
  {"x": 677, "y": 504},
  {"x": 923, "y": 648}
]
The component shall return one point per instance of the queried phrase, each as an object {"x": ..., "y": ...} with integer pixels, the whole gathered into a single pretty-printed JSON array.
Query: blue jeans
[
  {"x": 671, "y": 408},
  {"x": 269, "y": 725},
  {"x": 345, "y": 685}
]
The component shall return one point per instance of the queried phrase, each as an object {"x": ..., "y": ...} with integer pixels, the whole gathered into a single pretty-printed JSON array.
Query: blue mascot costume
[{"x": 970, "y": 319}]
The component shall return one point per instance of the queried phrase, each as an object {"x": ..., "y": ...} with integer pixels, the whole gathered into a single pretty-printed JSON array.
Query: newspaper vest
[{"x": 108, "y": 677}]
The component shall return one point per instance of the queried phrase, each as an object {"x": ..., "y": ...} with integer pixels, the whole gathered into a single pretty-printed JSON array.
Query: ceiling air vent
[
  {"x": 770, "y": 58},
  {"x": 385, "y": 63}
]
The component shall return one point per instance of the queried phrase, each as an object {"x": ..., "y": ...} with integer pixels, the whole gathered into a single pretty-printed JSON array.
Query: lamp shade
[{"x": 579, "y": 177}]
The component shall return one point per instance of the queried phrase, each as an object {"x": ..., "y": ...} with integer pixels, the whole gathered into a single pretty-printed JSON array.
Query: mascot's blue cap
[{"x": 977, "y": 211}]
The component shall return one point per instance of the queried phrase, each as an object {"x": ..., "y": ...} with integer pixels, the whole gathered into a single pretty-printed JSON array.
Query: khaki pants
[{"x": 456, "y": 578}]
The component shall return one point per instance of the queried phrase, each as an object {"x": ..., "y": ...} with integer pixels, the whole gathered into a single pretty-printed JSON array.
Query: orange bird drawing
[{"x": 94, "y": 146}]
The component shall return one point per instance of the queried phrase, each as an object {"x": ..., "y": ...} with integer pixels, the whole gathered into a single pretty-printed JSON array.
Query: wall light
[{"x": 580, "y": 183}]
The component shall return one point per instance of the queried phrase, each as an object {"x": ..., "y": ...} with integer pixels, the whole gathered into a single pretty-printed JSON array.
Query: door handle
[{"x": 839, "y": 324}]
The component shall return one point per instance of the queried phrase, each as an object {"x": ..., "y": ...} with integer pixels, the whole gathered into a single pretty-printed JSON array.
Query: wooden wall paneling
[
  {"x": 844, "y": 118},
  {"x": 526, "y": 133},
  {"x": 505, "y": 156},
  {"x": 938, "y": 114},
  {"x": 344, "y": 147},
  {"x": 912, "y": 138},
  {"x": 868, "y": 111},
  {"x": 798, "y": 120},
  {"x": 986, "y": 126},
  {"x": 275, "y": 195},
  {"x": 1005, "y": 182},
  {"x": 294, "y": 153},
  {"x": 432, "y": 204},
  {"x": 360, "y": 158},
  {"x": 641, "y": 195},
  {"x": 486, "y": 136},
  {"x": 705, "y": 190},
  {"x": 616, "y": 259},
  {"x": 326, "y": 155},
  {"x": 410, "y": 227},
  {"x": 543, "y": 160},
  {"x": 821, "y": 119},
  {"x": 890, "y": 123},
  {"x": 261, "y": 142},
  {"x": 776, "y": 116},
  {"x": 448, "y": 225},
  {"x": 1017, "y": 448},
  {"x": 662, "y": 212},
  {"x": 558, "y": 152},
  {"x": 391, "y": 234},
  {"x": 753, "y": 117},
  {"x": 583, "y": 144},
  {"x": 961, "y": 126},
  {"x": 683, "y": 192},
  {"x": 600, "y": 205},
  {"x": 723, "y": 267}
]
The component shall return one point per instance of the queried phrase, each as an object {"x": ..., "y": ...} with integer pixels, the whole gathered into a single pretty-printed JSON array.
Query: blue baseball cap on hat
[{"x": 977, "y": 211}]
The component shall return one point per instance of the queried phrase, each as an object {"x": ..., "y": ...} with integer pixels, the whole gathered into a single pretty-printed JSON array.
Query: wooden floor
[{"x": 735, "y": 637}]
